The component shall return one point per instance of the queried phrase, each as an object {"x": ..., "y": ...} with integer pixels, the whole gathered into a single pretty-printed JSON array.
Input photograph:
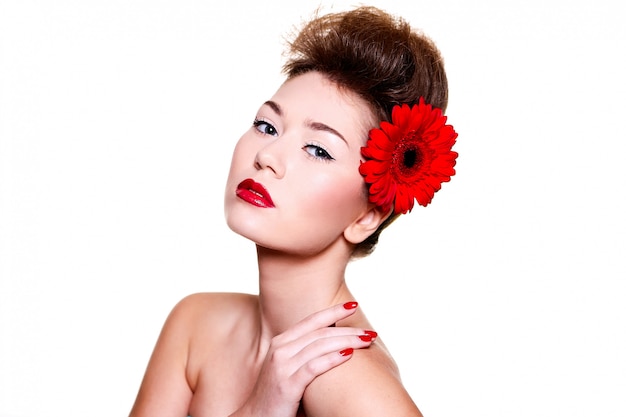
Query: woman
[{"x": 348, "y": 142}]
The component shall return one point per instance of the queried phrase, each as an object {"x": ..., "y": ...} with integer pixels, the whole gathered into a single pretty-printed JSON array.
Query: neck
[{"x": 292, "y": 287}]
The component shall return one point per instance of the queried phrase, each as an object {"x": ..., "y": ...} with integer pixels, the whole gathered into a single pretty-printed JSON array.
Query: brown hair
[{"x": 375, "y": 55}]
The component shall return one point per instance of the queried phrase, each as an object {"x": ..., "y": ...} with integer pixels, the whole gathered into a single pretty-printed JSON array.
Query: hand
[{"x": 297, "y": 356}]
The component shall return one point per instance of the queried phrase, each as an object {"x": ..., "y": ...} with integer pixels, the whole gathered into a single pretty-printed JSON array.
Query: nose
[{"x": 271, "y": 157}]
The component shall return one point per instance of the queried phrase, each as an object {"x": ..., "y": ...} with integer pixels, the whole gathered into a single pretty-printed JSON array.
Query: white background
[{"x": 117, "y": 121}]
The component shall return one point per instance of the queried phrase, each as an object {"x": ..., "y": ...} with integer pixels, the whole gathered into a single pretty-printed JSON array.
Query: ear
[{"x": 365, "y": 225}]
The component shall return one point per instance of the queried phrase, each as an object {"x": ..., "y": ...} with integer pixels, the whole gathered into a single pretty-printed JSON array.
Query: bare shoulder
[
  {"x": 366, "y": 385},
  {"x": 213, "y": 323},
  {"x": 208, "y": 319},
  {"x": 169, "y": 381},
  {"x": 218, "y": 309}
]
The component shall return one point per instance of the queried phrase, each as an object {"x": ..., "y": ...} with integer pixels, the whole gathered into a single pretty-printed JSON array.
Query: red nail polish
[
  {"x": 371, "y": 333},
  {"x": 346, "y": 352},
  {"x": 365, "y": 337},
  {"x": 350, "y": 305}
]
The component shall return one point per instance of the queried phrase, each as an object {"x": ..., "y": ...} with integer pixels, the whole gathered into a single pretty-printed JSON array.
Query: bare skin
[{"x": 219, "y": 349}]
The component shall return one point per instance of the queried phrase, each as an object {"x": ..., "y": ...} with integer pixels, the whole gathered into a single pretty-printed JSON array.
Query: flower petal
[{"x": 392, "y": 181}]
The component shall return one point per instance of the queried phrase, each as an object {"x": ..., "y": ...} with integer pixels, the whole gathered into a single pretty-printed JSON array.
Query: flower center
[{"x": 408, "y": 155}]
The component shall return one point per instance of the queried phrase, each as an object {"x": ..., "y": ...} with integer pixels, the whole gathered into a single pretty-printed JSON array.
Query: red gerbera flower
[{"x": 409, "y": 158}]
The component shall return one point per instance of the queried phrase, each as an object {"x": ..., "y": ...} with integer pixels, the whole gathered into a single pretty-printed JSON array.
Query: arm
[{"x": 164, "y": 390}]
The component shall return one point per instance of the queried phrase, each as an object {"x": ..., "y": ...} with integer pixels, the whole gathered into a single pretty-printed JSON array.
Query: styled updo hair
[{"x": 375, "y": 55}]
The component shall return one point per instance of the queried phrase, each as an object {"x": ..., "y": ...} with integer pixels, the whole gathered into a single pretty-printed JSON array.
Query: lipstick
[{"x": 254, "y": 193}]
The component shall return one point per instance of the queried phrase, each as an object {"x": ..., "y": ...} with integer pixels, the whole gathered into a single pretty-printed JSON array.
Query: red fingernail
[
  {"x": 371, "y": 333},
  {"x": 365, "y": 337},
  {"x": 346, "y": 352},
  {"x": 350, "y": 305}
]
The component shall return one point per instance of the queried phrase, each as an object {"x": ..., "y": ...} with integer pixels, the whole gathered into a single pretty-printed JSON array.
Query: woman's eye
[
  {"x": 318, "y": 152},
  {"x": 265, "y": 127}
]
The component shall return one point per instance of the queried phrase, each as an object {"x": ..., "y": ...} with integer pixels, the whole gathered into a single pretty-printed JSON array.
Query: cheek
[{"x": 339, "y": 196}]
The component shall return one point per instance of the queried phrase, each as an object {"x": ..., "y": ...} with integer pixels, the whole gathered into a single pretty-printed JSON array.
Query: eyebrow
[{"x": 310, "y": 124}]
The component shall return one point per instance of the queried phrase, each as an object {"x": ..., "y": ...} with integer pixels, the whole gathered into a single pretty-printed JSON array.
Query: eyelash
[
  {"x": 260, "y": 122},
  {"x": 325, "y": 156}
]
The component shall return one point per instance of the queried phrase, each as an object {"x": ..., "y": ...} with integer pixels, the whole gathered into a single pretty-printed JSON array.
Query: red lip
[{"x": 254, "y": 193}]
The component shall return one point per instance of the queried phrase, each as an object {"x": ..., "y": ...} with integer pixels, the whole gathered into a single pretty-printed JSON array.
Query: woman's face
[{"x": 294, "y": 183}]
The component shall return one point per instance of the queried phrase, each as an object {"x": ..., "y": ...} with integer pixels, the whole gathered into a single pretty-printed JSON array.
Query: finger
[
  {"x": 321, "y": 364},
  {"x": 321, "y": 319},
  {"x": 324, "y": 346},
  {"x": 322, "y": 341}
]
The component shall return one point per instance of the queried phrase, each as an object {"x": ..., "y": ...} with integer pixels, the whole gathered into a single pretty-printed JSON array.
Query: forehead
[{"x": 314, "y": 97}]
